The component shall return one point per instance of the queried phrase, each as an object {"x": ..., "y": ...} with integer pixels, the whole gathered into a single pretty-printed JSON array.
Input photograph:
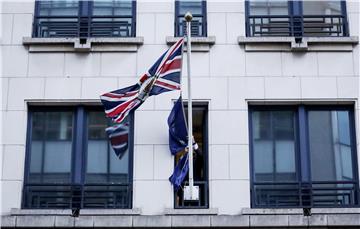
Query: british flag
[
  {"x": 119, "y": 136},
  {"x": 162, "y": 77}
]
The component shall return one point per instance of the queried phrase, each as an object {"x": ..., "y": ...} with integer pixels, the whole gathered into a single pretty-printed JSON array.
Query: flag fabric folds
[
  {"x": 177, "y": 128},
  {"x": 119, "y": 138},
  {"x": 180, "y": 172},
  {"x": 162, "y": 77},
  {"x": 178, "y": 137}
]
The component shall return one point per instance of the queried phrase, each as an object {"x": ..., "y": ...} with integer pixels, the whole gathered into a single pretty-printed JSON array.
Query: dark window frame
[
  {"x": 302, "y": 151},
  {"x": 77, "y": 182},
  {"x": 204, "y": 106},
  {"x": 179, "y": 27},
  {"x": 295, "y": 18},
  {"x": 83, "y": 19}
]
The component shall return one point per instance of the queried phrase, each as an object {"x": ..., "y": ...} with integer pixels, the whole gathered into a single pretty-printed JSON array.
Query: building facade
[{"x": 276, "y": 114}]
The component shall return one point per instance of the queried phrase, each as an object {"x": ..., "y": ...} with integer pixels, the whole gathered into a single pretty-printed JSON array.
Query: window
[
  {"x": 296, "y": 18},
  {"x": 303, "y": 156},
  {"x": 198, "y": 23},
  {"x": 70, "y": 163},
  {"x": 98, "y": 18},
  {"x": 200, "y": 125}
]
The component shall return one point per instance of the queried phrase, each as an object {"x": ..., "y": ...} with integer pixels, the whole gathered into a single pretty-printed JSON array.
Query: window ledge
[
  {"x": 108, "y": 44},
  {"x": 44, "y": 212},
  {"x": 339, "y": 44},
  {"x": 299, "y": 211},
  {"x": 67, "y": 212},
  {"x": 94, "y": 212},
  {"x": 339, "y": 217},
  {"x": 199, "y": 44},
  {"x": 191, "y": 211}
]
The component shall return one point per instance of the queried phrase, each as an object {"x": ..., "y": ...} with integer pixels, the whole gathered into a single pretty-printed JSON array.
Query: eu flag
[
  {"x": 180, "y": 172},
  {"x": 178, "y": 137},
  {"x": 177, "y": 128}
]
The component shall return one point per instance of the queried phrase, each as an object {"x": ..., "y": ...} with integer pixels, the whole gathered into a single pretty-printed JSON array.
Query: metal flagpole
[{"x": 188, "y": 18}]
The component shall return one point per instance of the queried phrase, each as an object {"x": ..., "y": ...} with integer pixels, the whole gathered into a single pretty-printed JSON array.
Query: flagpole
[{"x": 188, "y": 18}]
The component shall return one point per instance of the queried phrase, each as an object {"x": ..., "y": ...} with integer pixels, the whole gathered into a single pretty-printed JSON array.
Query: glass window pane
[
  {"x": 97, "y": 157},
  {"x": 57, "y": 157},
  {"x": 195, "y": 7},
  {"x": 51, "y": 147},
  {"x": 273, "y": 141},
  {"x": 58, "y": 8},
  {"x": 268, "y": 7},
  {"x": 332, "y": 7},
  {"x": 112, "y": 8},
  {"x": 103, "y": 166},
  {"x": 330, "y": 145}
]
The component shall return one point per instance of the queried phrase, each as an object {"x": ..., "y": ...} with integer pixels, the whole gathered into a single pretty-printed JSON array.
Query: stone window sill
[
  {"x": 259, "y": 44},
  {"x": 119, "y": 44},
  {"x": 210, "y": 211},
  {"x": 298, "y": 211},
  {"x": 67, "y": 212},
  {"x": 198, "y": 44},
  {"x": 250, "y": 218}
]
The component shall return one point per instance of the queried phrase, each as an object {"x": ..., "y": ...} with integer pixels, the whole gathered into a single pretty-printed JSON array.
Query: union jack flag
[
  {"x": 119, "y": 136},
  {"x": 162, "y": 77}
]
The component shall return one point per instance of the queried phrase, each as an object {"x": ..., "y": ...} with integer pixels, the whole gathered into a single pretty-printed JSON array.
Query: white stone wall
[{"x": 226, "y": 76}]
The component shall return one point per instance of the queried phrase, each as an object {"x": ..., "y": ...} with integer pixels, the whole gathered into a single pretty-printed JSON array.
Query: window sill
[
  {"x": 33, "y": 212},
  {"x": 250, "y": 218},
  {"x": 199, "y": 44},
  {"x": 191, "y": 211},
  {"x": 67, "y": 212},
  {"x": 119, "y": 44},
  {"x": 298, "y": 211},
  {"x": 315, "y": 44}
]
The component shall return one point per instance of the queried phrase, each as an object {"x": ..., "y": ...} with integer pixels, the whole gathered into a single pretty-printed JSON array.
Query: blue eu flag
[
  {"x": 178, "y": 138},
  {"x": 177, "y": 128},
  {"x": 180, "y": 172}
]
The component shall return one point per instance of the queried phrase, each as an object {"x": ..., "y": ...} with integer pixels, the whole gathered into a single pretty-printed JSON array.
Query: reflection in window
[
  {"x": 70, "y": 163},
  {"x": 112, "y": 8},
  {"x": 274, "y": 145},
  {"x": 58, "y": 8},
  {"x": 103, "y": 166},
  {"x": 50, "y": 151},
  {"x": 296, "y": 18},
  {"x": 269, "y": 7},
  {"x": 330, "y": 145},
  {"x": 70, "y": 18},
  {"x": 198, "y": 24},
  {"x": 322, "y": 7},
  {"x": 303, "y": 157}
]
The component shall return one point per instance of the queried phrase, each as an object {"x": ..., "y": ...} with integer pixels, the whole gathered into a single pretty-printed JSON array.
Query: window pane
[
  {"x": 103, "y": 166},
  {"x": 322, "y": 7},
  {"x": 198, "y": 23},
  {"x": 51, "y": 147},
  {"x": 268, "y": 7},
  {"x": 58, "y": 8},
  {"x": 195, "y": 7},
  {"x": 330, "y": 145},
  {"x": 112, "y": 8},
  {"x": 273, "y": 140}
]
